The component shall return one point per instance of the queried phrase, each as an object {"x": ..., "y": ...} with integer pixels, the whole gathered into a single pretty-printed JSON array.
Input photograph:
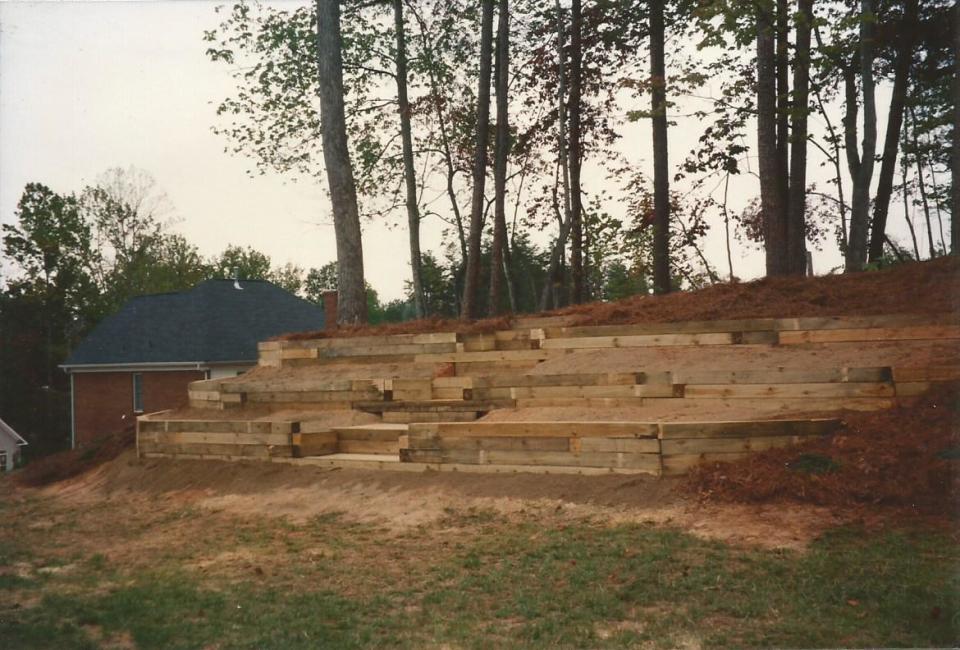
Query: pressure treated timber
[
  {"x": 314, "y": 396},
  {"x": 935, "y": 332},
  {"x": 582, "y": 402},
  {"x": 436, "y": 406},
  {"x": 218, "y": 426},
  {"x": 346, "y": 361},
  {"x": 646, "y": 340},
  {"x": 300, "y": 385},
  {"x": 532, "y": 392},
  {"x": 370, "y": 438},
  {"x": 533, "y": 429},
  {"x": 785, "y": 405},
  {"x": 428, "y": 338},
  {"x": 754, "y": 391},
  {"x": 502, "y": 443},
  {"x": 742, "y": 325},
  {"x": 199, "y": 437},
  {"x": 491, "y": 355},
  {"x": 381, "y": 350},
  {"x": 670, "y": 447},
  {"x": 574, "y": 379},
  {"x": 780, "y": 375},
  {"x": 406, "y": 417},
  {"x": 493, "y": 368},
  {"x": 376, "y": 431},
  {"x": 646, "y": 462},
  {"x": 913, "y": 388},
  {"x": 315, "y": 444},
  {"x": 929, "y": 373},
  {"x": 252, "y": 451},
  {"x": 747, "y": 429}
]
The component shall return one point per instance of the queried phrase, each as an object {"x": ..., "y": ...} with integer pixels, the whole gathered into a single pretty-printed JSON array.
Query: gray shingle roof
[{"x": 213, "y": 322}]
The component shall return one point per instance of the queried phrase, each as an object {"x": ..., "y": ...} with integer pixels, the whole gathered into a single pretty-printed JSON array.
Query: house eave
[{"x": 152, "y": 365}]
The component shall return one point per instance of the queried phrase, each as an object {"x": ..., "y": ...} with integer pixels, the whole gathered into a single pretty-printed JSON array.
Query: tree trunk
[
  {"x": 955, "y": 159},
  {"x": 550, "y": 289},
  {"x": 906, "y": 210},
  {"x": 437, "y": 105},
  {"x": 471, "y": 305},
  {"x": 576, "y": 154},
  {"x": 661, "y": 170},
  {"x": 498, "y": 260},
  {"x": 783, "y": 110},
  {"x": 797, "y": 191},
  {"x": 771, "y": 199},
  {"x": 860, "y": 201},
  {"x": 352, "y": 301},
  {"x": 726, "y": 225},
  {"x": 413, "y": 211},
  {"x": 556, "y": 255},
  {"x": 891, "y": 142}
]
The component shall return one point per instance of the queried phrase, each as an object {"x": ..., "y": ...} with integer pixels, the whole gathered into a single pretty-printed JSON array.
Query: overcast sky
[{"x": 85, "y": 86}]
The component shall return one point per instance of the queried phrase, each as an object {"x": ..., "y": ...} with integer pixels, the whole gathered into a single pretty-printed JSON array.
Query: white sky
[{"x": 85, "y": 86}]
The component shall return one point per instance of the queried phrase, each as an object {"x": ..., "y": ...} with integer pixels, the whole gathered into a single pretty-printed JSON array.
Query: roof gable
[
  {"x": 212, "y": 322},
  {"x": 7, "y": 430}
]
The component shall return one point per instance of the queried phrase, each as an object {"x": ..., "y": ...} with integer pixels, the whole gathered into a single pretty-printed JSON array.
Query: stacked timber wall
[{"x": 439, "y": 384}]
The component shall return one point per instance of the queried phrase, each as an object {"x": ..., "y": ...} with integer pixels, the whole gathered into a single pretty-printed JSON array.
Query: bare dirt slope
[
  {"x": 931, "y": 288},
  {"x": 401, "y": 501}
]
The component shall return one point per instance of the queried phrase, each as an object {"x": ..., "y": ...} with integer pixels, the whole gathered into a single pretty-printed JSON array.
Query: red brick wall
[{"x": 102, "y": 399}]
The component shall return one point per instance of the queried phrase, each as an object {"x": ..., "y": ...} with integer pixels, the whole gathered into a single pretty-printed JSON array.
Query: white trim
[
  {"x": 8, "y": 429},
  {"x": 153, "y": 366},
  {"x": 73, "y": 416}
]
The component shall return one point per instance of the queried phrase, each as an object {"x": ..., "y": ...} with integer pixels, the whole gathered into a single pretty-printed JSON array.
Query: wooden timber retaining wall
[{"x": 441, "y": 383}]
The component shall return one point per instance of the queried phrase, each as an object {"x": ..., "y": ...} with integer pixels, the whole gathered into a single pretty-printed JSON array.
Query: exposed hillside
[
  {"x": 905, "y": 457},
  {"x": 922, "y": 288}
]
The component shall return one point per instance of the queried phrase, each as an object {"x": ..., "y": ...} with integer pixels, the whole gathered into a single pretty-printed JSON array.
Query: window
[
  {"x": 3, "y": 461},
  {"x": 137, "y": 392}
]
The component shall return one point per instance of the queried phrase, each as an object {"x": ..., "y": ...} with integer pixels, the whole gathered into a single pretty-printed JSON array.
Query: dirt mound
[
  {"x": 74, "y": 462},
  {"x": 931, "y": 287},
  {"x": 907, "y": 457},
  {"x": 921, "y": 288}
]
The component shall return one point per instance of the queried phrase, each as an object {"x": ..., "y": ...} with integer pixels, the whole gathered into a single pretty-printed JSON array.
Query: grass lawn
[{"x": 131, "y": 574}]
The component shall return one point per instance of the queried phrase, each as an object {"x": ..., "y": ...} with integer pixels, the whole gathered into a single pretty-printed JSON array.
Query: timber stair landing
[{"x": 757, "y": 380}]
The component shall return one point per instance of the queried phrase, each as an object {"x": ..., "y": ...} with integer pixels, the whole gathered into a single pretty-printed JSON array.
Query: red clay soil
[
  {"x": 922, "y": 288},
  {"x": 899, "y": 458},
  {"x": 931, "y": 287},
  {"x": 73, "y": 462}
]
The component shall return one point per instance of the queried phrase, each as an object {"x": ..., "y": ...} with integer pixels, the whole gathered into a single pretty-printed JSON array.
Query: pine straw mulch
[
  {"x": 931, "y": 287},
  {"x": 905, "y": 457}
]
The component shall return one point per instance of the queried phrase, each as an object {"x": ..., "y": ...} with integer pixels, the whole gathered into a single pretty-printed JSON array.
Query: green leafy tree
[
  {"x": 243, "y": 263},
  {"x": 44, "y": 308}
]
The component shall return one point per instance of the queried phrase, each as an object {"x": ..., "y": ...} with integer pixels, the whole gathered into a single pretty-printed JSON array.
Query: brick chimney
[{"x": 330, "y": 310}]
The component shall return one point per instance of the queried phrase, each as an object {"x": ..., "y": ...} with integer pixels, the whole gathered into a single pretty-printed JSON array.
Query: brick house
[{"x": 141, "y": 359}]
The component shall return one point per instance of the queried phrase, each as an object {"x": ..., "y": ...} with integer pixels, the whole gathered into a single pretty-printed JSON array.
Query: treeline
[
  {"x": 79, "y": 257},
  {"x": 484, "y": 116}
]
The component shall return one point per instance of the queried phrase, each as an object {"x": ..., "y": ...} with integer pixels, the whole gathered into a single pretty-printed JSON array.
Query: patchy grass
[{"x": 123, "y": 575}]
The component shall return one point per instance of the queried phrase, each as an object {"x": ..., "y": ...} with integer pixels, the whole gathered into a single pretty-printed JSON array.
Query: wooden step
[{"x": 379, "y": 438}]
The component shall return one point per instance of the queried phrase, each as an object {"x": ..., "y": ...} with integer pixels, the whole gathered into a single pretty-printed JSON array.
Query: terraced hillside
[{"x": 548, "y": 395}]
